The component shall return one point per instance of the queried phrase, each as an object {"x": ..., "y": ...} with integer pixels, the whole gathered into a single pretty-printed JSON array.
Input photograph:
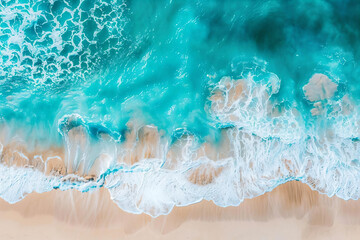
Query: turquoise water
[
  {"x": 121, "y": 60},
  {"x": 108, "y": 62}
]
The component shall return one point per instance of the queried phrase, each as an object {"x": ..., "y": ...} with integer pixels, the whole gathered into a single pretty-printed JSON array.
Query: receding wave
[{"x": 262, "y": 144}]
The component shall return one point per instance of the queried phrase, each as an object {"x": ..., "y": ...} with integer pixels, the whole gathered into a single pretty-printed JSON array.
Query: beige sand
[{"x": 292, "y": 211}]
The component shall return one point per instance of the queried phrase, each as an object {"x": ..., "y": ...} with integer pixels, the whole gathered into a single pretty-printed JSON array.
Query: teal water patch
[
  {"x": 152, "y": 59},
  {"x": 111, "y": 61}
]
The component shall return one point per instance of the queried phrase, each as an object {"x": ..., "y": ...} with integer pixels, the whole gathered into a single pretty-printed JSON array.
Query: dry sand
[{"x": 291, "y": 211}]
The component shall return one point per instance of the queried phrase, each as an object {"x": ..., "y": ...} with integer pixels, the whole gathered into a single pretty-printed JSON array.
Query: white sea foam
[
  {"x": 17, "y": 182},
  {"x": 43, "y": 47},
  {"x": 260, "y": 148},
  {"x": 246, "y": 104}
]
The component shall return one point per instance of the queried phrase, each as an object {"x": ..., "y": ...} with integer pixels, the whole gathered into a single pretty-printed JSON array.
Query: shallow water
[{"x": 169, "y": 102}]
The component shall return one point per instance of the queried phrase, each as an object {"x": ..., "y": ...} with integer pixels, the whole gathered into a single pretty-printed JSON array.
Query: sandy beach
[{"x": 291, "y": 211}]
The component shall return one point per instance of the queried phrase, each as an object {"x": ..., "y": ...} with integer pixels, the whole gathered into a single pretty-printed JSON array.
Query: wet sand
[{"x": 291, "y": 211}]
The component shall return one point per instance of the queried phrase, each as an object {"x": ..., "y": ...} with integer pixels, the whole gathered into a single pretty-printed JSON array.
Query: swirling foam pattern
[{"x": 167, "y": 103}]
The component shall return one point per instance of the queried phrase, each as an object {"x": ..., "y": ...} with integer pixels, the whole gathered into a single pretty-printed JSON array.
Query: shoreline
[{"x": 290, "y": 210}]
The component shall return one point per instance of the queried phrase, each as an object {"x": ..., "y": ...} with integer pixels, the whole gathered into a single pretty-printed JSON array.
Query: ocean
[{"x": 167, "y": 103}]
